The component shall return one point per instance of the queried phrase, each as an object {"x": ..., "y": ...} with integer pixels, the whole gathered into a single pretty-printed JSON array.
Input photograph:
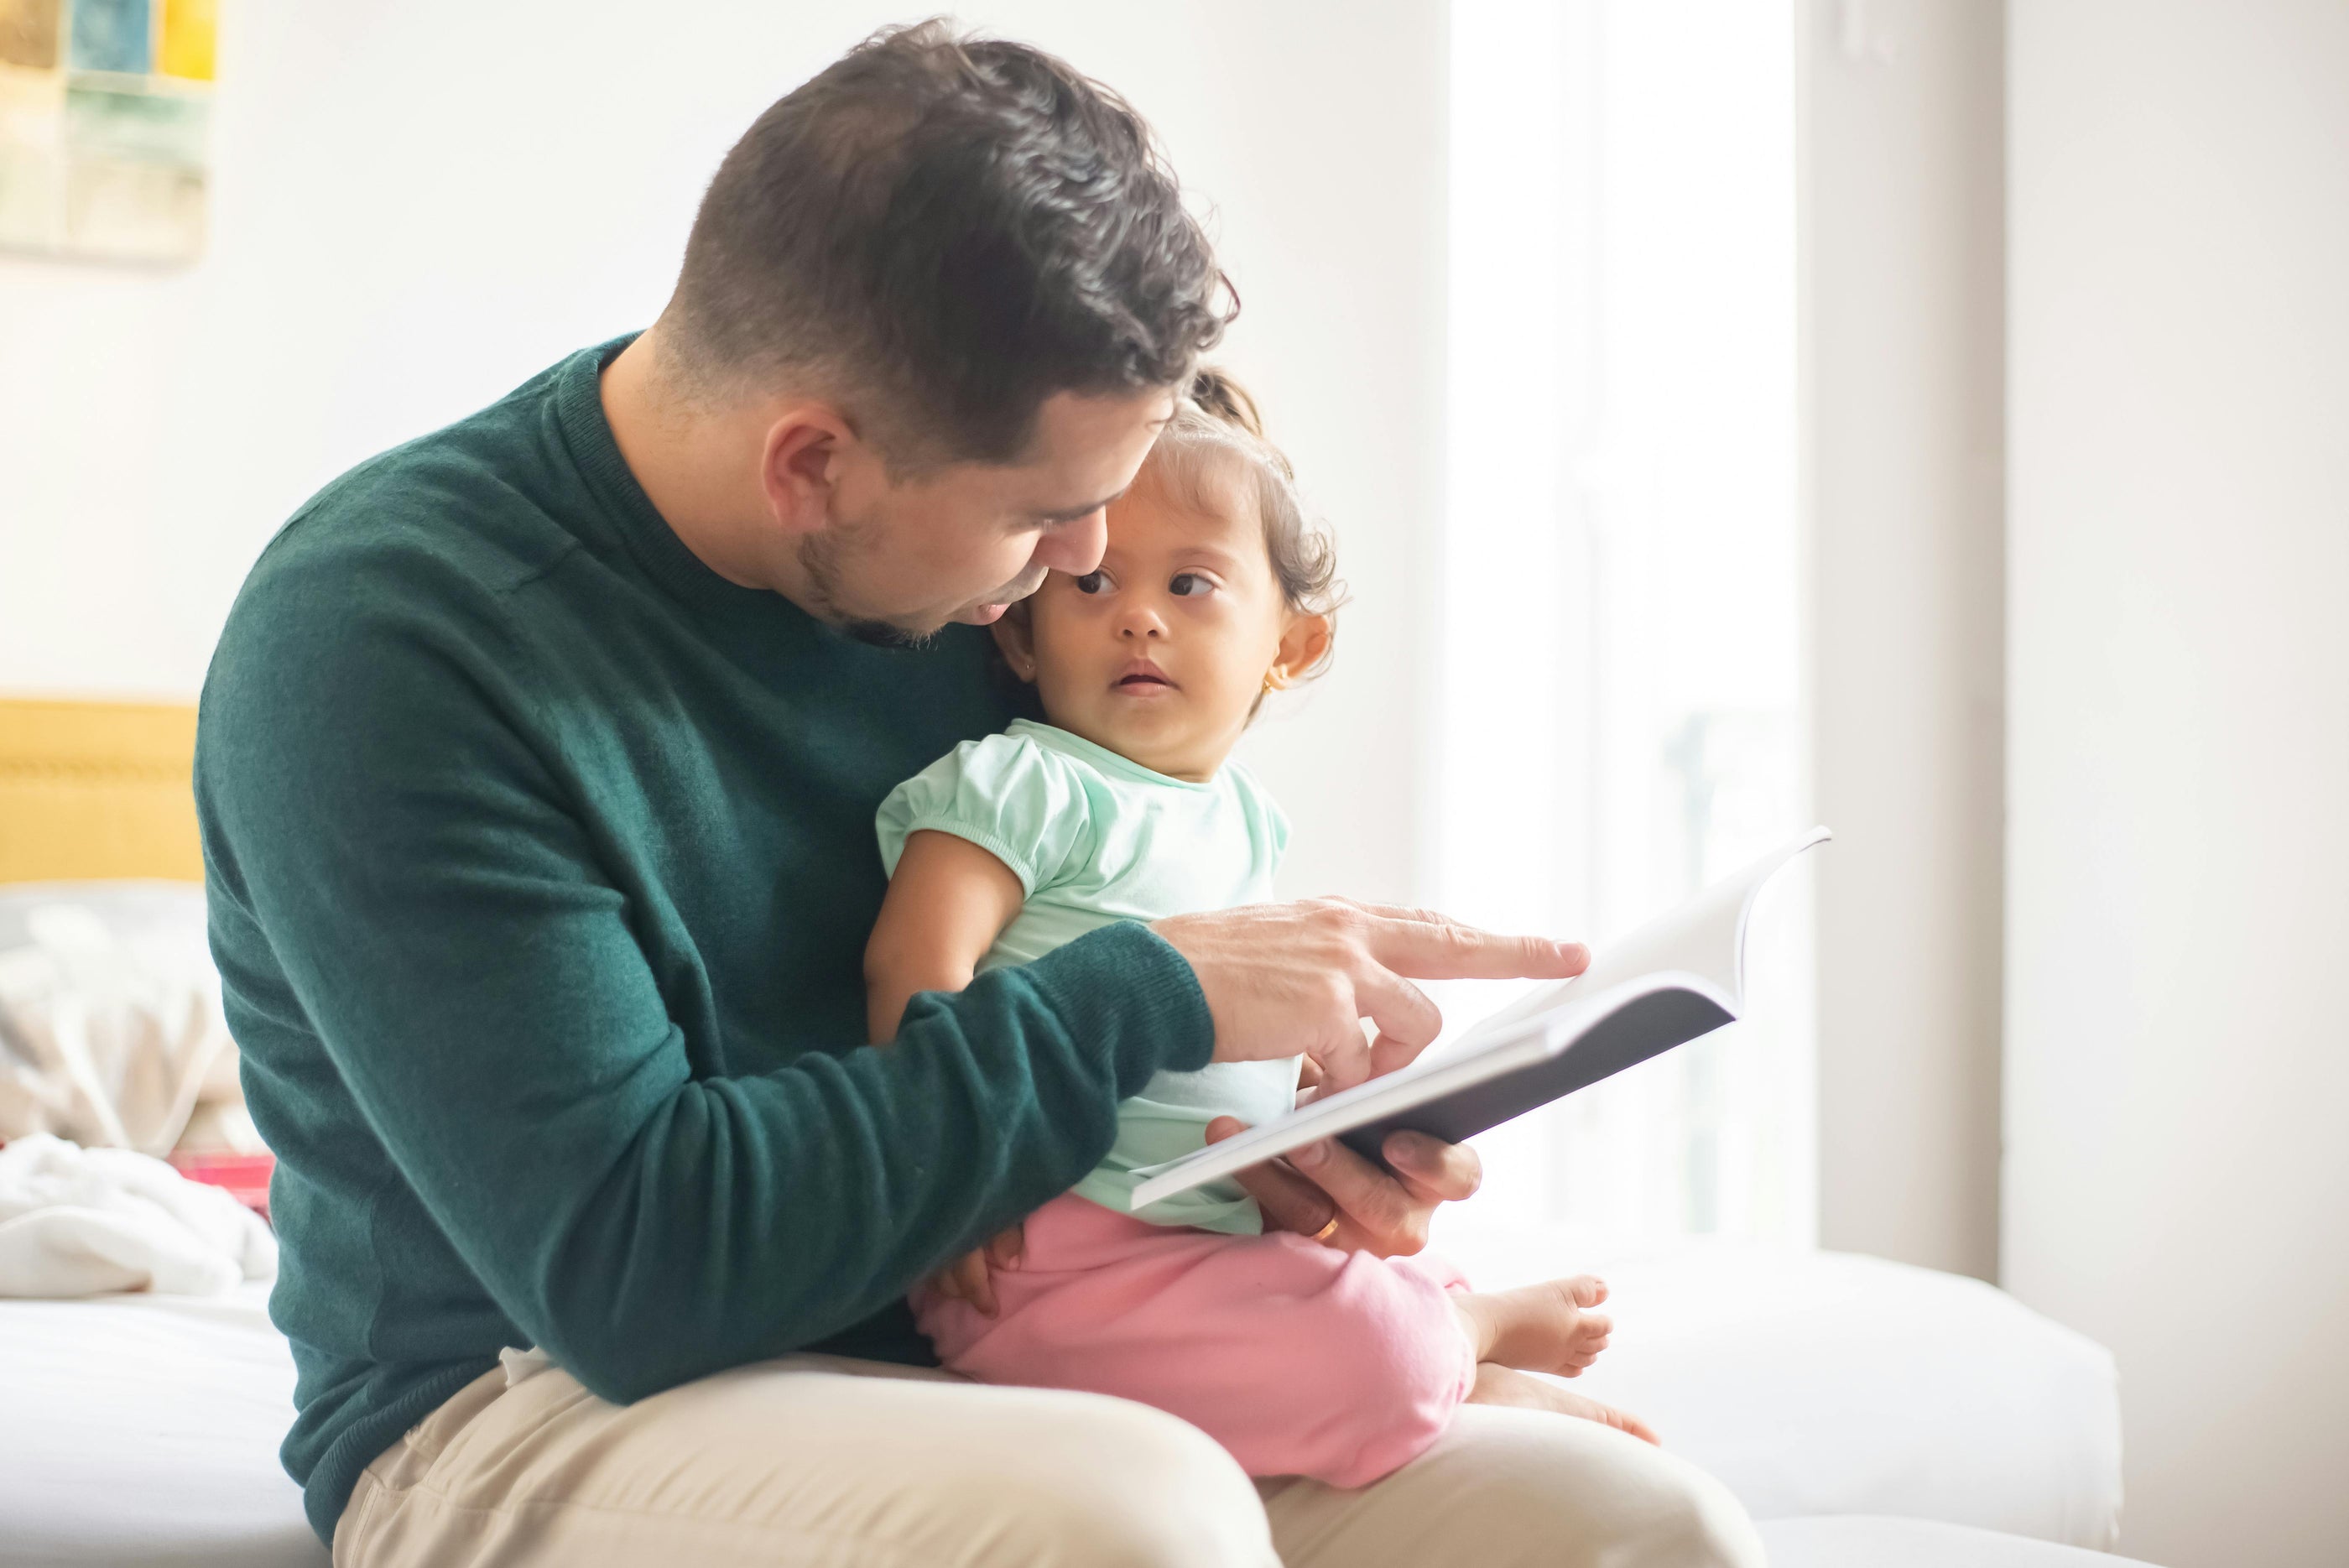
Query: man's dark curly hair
[{"x": 941, "y": 232}]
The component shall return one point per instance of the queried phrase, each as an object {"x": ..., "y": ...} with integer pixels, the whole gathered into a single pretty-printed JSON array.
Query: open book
[{"x": 1679, "y": 976}]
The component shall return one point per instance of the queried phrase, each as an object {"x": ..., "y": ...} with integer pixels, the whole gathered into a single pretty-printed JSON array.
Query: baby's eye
[
  {"x": 1092, "y": 582},
  {"x": 1189, "y": 585}
]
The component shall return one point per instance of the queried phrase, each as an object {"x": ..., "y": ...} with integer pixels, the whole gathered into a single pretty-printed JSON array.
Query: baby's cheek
[{"x": 1233, "y": 688}]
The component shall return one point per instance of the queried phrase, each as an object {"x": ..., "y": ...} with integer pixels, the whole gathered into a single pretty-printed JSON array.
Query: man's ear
[
  {"x": 1017, "y": 639},
  {"x": 1304, "y": 644},
  {"x": 798, "y": 467}
]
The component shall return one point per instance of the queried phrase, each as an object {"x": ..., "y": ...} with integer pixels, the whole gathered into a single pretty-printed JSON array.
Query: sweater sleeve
[{"x": 373, "y": 805}]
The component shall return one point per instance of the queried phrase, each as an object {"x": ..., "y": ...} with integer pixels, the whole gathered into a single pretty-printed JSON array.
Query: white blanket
[
  {"x": 110, "y": 1024},
  {"x": 78, "y": 1221}
]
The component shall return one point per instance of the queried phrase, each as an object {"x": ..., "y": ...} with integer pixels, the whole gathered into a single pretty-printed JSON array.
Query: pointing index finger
[{"x": 1421, "y": 945}]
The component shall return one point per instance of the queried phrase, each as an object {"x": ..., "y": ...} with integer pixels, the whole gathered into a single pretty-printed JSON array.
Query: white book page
[
  {"x": 1699, "y": 945},
  {"x": 1704, "y": 936}
]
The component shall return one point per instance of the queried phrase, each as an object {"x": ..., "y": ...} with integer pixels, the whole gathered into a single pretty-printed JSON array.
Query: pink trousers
[{"x": 1299, "y": 1359}]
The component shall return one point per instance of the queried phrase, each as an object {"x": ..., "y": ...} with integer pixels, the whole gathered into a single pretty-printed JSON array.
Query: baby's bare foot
[
  {"x": 1549, "y": 1328},
  {"x": 1505, "y": 1386}
]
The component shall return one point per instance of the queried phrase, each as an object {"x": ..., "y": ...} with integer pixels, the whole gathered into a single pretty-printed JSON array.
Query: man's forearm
[{"x": 805, "y": 1200}]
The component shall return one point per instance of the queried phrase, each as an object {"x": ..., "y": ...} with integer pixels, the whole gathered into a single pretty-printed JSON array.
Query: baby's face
[{"x": 1161, "y": 653}]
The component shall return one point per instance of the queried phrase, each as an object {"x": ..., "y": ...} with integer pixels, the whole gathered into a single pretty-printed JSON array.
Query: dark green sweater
[{"x": 542, "y": 862}]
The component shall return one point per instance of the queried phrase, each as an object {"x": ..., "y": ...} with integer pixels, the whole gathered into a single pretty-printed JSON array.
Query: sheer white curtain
[{"x": 1619, "y": 696}]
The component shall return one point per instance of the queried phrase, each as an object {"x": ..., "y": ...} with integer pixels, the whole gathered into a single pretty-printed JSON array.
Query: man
[{"x": 537, "y": 771}]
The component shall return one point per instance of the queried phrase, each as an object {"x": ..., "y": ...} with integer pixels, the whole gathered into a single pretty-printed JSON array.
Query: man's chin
[
  {"x": 886, "y": 633},
  {"x": 913, "y": 634}
]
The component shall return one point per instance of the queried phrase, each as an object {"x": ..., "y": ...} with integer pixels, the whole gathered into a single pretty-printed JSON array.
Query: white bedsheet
[{"x": 143, "y": 1430}]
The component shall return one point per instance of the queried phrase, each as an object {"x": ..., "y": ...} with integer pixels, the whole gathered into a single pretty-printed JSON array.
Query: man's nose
[{"x": 1075, "y": 547}]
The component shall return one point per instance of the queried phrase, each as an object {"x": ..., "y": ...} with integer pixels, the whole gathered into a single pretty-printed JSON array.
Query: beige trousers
[{"x": 824, "y": 1463}]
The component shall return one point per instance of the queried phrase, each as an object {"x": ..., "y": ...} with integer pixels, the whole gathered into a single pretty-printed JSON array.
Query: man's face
[{"x": 898, "y": 561}]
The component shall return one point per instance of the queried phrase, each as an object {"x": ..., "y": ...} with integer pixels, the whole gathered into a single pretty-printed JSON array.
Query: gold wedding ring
[{"x": 1328, "y": 1231}]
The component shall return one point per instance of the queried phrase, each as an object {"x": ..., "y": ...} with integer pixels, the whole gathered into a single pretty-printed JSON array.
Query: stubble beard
[{"x": 819, "y": 556}]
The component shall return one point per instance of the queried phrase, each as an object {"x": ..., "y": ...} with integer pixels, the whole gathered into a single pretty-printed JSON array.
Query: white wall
[
  {"x": 419, "y": 204},
  {"x": 2178, "y": 1058},
  {"x": 1901, "y": 259}
]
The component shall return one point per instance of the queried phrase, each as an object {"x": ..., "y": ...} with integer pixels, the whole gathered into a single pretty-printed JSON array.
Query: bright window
[{"x": 1620, "y": 701}]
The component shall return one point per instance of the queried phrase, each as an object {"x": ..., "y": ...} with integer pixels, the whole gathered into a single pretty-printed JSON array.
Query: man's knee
[
  {"x": 1124, "y": 1487},
  {"x": 1700, "y": 1524},
  {"x": 1525, "y": 1489},
  {"x": 1654, "y": 1509}
]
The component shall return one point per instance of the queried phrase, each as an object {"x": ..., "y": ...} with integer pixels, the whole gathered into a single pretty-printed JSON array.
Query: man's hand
[
  {"x": 1282, "y": 979},
  {"x": 1373, "y": 1211}
]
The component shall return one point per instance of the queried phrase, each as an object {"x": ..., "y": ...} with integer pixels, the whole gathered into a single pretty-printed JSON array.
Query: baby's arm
[{"x": 948, "y": 902}]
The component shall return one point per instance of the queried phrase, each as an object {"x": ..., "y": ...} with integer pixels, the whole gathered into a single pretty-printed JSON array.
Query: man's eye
[
  {"x": 1189, "y": 585},
  {"x": 1092, "y": 582}
]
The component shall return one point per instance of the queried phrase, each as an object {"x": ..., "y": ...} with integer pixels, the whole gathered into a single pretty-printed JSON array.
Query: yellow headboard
[{"x": 98, "y": 790}]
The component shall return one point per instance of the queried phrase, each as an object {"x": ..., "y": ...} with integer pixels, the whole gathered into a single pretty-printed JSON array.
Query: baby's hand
[{"x": 970, "y": 1277}]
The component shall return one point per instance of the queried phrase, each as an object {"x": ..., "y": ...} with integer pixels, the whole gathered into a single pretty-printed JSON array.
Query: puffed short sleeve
[
  {"x": 1267, "y": 824},
  {"x": 1023, "y": 803}
]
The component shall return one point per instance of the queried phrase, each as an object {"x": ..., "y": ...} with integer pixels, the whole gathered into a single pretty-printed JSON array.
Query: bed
[
  {"x": 1866, "y": 1413},
  {"x": 144, "y": 1429},
  {"x": 137, "y": 1428}
]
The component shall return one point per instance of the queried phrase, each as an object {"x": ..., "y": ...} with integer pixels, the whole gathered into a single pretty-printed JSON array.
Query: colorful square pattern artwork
[{"x": 105, "y": 117}]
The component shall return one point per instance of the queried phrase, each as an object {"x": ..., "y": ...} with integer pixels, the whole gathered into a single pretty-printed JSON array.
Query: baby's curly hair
[{"x": 1213, "y": 454}]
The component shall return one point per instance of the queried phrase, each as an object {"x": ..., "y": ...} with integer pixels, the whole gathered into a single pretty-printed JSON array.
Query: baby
[{"x": 1300, "y": 1358}]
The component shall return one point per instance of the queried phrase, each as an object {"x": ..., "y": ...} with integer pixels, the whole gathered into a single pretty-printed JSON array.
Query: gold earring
[{"x": 1272, "y": 680}]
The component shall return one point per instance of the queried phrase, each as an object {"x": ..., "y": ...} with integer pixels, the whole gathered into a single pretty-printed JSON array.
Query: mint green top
[{"x": 1095, "y": 838}]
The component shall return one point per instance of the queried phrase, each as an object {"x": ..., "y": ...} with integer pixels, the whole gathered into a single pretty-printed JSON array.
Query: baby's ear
[
  {"x": 1014, "y": 637},
  {"x": 1303, "y": 645}
]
